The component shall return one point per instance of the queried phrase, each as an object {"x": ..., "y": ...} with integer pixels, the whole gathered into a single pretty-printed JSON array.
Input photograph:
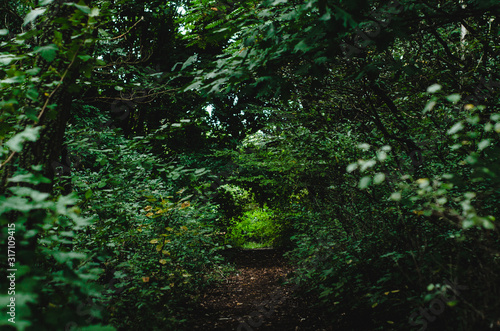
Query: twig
[
  {"x": 58, "y": 85},
  {"x": 132, "y": 98},
  {"x": 141, "y": 19},
  {"x": 8, "y": 159}
]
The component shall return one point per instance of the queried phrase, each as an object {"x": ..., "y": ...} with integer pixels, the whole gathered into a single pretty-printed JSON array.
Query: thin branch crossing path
[{"x": 256, "y": 297}]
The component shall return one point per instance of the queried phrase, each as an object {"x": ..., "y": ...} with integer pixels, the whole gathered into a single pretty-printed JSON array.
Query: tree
[
  {"x": 43, "y": 82},
  {"x": 40, "y": 69}
]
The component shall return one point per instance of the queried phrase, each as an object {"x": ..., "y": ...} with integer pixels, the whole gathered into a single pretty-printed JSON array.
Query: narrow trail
[{"x": 256, "y": 299}]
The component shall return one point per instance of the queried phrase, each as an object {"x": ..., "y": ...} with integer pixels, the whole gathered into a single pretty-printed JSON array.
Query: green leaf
[
  {"x": 32, "y": 94},
  {"x": 13, "y": 80},
  {"x": 30, "y": 179},
  {"x": 429, "y": 106},
  {"x": 434, "y": 88},
  {"x": 455, "y": 128},
  {"x": 487, "y": 224},
  {"x": 194, "y": 86},
  {"x": 470, "y": 195},
  {"x": 26, "y": 191},
  {"x": 33, "y": 71},
  {"x": 32, "y": 114},
  {"x": 365, "y": 182},
  {"x": 326, "y": 17},
  {"x": 189, "y": 61},
  {"x": 84, "y": 9},
  {"x": 48, "y": 52},
  {"x": 351, "y": 167},
  {"x": 4, "y": 32},
  {"x": 472, "y": 159},
  {"x": 62, "y": 257},
  {"x": 94, "y": 12},
  {"x": 6, "y": 59},
  {"x": 381, "y": 156},
  {"x": 302, "y": 46},
  {"x": 32, "y": 15},
  {"x": 29, "y": 134},
  {"x": 364, "y": 165},
  {"x": 364, "y": 146},
  {"x": 88, "y": 194},
  {"x": 15, "y": 203},
  {"x": 64, "y": 201},
  {"x": 84, "y": 58},
  {"x": 379, "y": 178},
  {"x": 396, "y": 196},
  {"x": 453, "y": 97},
  {"x": 199, "y": 171},
  {"x": 483, "y": 144},
  {"x": 341, "y": 14}
]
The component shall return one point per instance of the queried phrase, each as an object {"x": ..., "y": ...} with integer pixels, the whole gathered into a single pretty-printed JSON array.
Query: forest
[{"x": 249, "y": 165}]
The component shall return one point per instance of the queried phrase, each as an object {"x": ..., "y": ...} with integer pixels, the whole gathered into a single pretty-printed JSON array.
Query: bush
[
  {"x": 154, "y": 240},
  {"x": 259, "y": 226}
]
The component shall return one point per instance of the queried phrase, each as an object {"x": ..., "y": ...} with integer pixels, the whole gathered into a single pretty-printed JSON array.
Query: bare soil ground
[{"x": 256, "y": 299}]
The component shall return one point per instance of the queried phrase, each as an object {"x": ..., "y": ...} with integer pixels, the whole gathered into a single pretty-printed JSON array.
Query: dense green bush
[
  {"x": 438, "y": 231},
  {"x": 51, "y": 280},
  {"x": 155, "y": 242},
  {"x": 259, "y": 227}
]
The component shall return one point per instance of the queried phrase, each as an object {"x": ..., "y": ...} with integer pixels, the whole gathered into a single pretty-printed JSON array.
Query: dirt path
[{"x": 255, "y": 299}]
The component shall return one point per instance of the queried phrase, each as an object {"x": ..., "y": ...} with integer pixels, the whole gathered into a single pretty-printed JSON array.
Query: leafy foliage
[
  {"x": 258, "y": 227},
  {"x": 156, "y": 244},
  {"x": 141, "y": 138}
]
